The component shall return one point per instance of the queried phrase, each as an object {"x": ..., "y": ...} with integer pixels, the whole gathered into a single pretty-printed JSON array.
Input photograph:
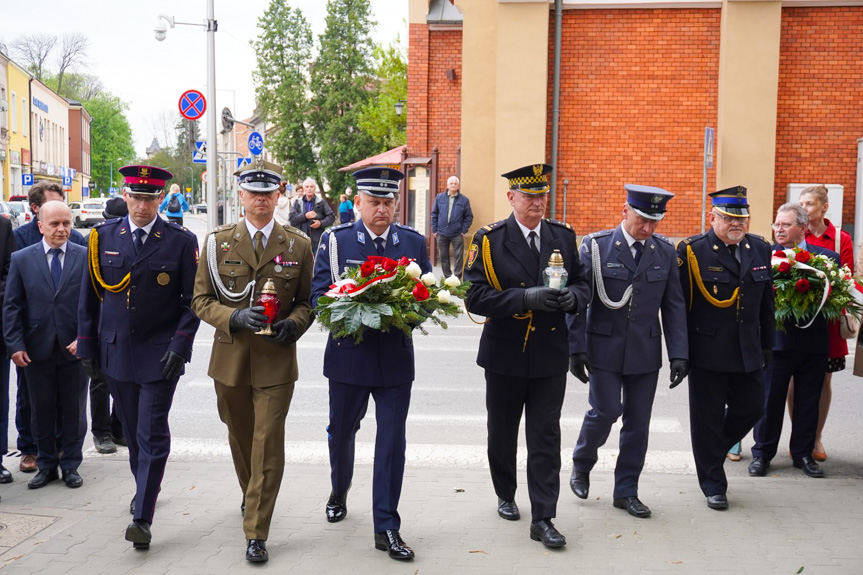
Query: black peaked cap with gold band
[
  {"x": 260, "y": 177},
  {"x": 532, "y": 179},
  {"x": 731, "y": 202}
]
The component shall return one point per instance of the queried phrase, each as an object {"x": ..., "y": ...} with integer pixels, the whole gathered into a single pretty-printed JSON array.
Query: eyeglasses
[
  {"x": 783, "y": 226},
  {"x": 146, "y": 199}
]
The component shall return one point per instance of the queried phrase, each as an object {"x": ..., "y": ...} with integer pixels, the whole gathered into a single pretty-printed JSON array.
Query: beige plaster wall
[{"x": 748, "y": 85}]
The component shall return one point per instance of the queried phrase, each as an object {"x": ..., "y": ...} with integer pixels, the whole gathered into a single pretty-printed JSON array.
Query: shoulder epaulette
[
  {"x": 558, "y": 223},
  {"x": 600, "y": 234},
  {"x": 757, "y": 237},
  {"x": 108, "y": 222},
  {"x": 177, "y": 226},
  {"x": 340, "y": 227},
  {"x": 223, "y": 227},
  {"x": 692, "y": 239},
  {"x": 296, "y": 231},
  {"x": 491, "y": 227},
  {"x": 404, "y": 227},
  {"x": 663, "y": 239}
]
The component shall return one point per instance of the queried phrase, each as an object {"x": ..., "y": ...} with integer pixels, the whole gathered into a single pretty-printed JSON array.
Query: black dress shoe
[
  {"x": 508, "y": 510},
  {"x": 809, "y": 466},
  {"x": 759, "y": 467},
  {"x": 104, "y": 444},
  {"x": 132, "y": 505},
  {"x": 138, "y": 532},
  {"x": 243, "y": 507},
  {"x": 580, "y": 484},
  {"x": 337, "y": 508},
  {"x": 544, "y": 530},
  {"x": 718, "y": 502},
  {"x": 391, "y": 542},
  {"x": 72, "y": 479},
  {"x": 43, "y": 478},
  {"x": 633, "y": 506},
  {"x": 119, "y": 440},
  {"x": 5, "y": 475},
  {"x": 256, "y": 551}
]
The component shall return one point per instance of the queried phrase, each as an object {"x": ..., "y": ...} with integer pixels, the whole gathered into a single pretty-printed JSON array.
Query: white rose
[
  {"x": 443, "y": 296},
  {"x": 414, "y": 270},
  {"x": 428, "y": 279},
  {"x": 452, "y": 281}
]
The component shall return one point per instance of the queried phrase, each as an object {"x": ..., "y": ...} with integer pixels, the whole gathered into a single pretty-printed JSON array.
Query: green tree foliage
[
  {"x": 378, "y": 117},
  {"x": 284, "y": 48},
  {"x": 110, "y": 138},
  {"x": 341, "y": 85}
]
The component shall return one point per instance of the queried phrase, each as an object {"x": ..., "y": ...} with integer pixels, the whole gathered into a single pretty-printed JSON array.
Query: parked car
[
  {"x": 87, "y": 213},
  {"x": 7, "y": 212},
  {"x": 22, "y": 211},
  {"x": 200, "y": 208},
  {"x": 19, "y": 198}
]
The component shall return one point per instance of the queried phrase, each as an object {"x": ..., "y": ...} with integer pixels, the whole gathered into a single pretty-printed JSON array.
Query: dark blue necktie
[
  {"x": 639, "y": 249},
  {"x": 379, "y": 243},
  {"x": 139, "y": 239},
  {"x": 56, "y": 268}
]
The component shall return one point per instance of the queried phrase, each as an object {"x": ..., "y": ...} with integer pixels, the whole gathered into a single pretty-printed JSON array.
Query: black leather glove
[
  {"x": 91, "y": 368},
  {"x": 250, "y": 318},
  {"x": 567, "y": 300},
  {"x": 541, "y": 298},
  {"x": 767, "y": 356},
  {"x": 285, "y": 329},
  {"x": 173, "y": 365},
  {"x": 578, "y": 363},
  {"x": 679, "y": 370}
]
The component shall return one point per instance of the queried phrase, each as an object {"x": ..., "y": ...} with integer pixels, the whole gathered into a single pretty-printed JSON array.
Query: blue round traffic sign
[
  {"x": 192, "y": 104},
  {"x": 256, "y": 144}
]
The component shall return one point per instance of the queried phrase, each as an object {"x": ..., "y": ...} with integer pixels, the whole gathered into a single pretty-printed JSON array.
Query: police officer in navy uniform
[
  {"x": 727, "y": 281},
  {"x": 382, "y": 365},
  {"x": 635, "y": 276},
  {"x": 136, "y": 327},
  {"x": 524, "y": 346}
]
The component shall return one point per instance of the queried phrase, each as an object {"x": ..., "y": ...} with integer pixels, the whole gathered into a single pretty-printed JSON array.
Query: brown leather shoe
[{"x": 28, "y": 464}]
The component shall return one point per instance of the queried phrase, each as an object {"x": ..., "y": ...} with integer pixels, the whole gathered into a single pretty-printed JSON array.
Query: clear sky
[{"x": 149, "y": 75}]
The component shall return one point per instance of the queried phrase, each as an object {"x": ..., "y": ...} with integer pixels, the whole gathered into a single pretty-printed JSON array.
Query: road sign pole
[{"x": 212, "y": 137}]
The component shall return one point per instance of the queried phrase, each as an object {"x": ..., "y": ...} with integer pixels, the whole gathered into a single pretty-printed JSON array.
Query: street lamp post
[{"x": 211, "y": 25}]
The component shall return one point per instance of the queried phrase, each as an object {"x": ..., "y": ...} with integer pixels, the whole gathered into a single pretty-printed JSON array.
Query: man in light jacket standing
[{"x": 451, "y": 218}]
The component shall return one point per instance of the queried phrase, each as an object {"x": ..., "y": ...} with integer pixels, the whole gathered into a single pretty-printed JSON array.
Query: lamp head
[{"x": 159, "y": 29}]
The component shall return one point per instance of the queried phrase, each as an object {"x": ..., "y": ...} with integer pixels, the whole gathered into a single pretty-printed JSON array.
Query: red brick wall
[
  {"x": 820, "y": 108},
  {"x": 638, "y": 88},
  {"x": 434, "y": 102}
]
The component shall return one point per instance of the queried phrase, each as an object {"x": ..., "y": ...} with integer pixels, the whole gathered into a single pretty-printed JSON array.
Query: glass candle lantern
[
  {"x": 271, "y": 304},
  {"x": 555, "y": 275}
]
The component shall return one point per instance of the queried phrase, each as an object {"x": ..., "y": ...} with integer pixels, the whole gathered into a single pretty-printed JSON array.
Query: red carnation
[
  {"x": 784, "y": 267},
  {"x": 420, "y": 292},
  {"x": 803, "y": 256},
  {"x": 388, "y": 264},
  {"x": 779, "y": 254},
  {"x": 366, "y": 269},
  {"x": 802, "y": 285},
  {"x": 404, "y": 261}
]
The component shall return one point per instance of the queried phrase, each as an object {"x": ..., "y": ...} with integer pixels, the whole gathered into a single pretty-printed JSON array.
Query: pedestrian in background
[
  {"x": 136, "y": 328},
  {"x": 7, "y": 246},
  {"x": 311, "y": 214},
  {"x": 254, "y": 375},
  {"x": 451, "y": 218},
  {"x": 635, "y": 275},
  {"x": 524, "y": 347},
  {"x": 174, "y": 205},
  {"x": 25, "y": 236},
  {"x": 730, "y": 343},
  {"x": 40, "y": 325},
  {"x": 346, "y": 210},
  {"x": 282, "y": 212},
  {"x": 382, "y": 366}
]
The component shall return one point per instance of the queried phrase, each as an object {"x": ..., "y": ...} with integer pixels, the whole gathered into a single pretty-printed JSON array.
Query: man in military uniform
[
  {"x": 635, "y": 276},
  {"x": 382, "y": 366},
  {"x": 524, "y": 345},
  {"x": 254, "y": 374},
  {"x": 136, "y": 329},
  {"x": 727, "y": 281}
]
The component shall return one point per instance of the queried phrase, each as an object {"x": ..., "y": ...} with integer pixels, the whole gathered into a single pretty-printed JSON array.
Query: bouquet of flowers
[
  {"x": 386, "y": 294},
  {"x": 805, "y": 284}
]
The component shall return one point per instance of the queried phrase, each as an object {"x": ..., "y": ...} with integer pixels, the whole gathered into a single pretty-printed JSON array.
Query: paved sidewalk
[{"x": 774, "y": 525}]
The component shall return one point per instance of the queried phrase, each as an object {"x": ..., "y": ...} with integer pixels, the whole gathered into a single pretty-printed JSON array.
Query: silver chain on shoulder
[
  {"x": 334, "y": 257},
  {"x": 221, "y": 290},
  {"x": 596, "y": 262}
]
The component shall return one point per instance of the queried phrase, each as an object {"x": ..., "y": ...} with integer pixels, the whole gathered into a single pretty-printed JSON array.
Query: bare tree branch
[
  {"x": 33, "y": 51},
  {"x": 74, "y": 51}
]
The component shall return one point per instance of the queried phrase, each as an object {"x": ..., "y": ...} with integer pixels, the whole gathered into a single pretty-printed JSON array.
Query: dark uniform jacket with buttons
[
  {"x": 130, "y": 331},
  {"x": 242, "y": 357},
  {"x": 627, "y": 340},
  {"x": 729, "y": 338},
  {"x": 383, "y": 359},
  {"x": 500, "y": 267}
]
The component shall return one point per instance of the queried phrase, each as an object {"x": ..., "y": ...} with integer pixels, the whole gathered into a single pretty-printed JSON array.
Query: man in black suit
[
  {"x": 40, "y": 324},
  {"x": 727, "y": 283},
  {"x": 524, "y": 347},
  {"x": 800, "y": 352},
  {"x": 7, "y": 246}
]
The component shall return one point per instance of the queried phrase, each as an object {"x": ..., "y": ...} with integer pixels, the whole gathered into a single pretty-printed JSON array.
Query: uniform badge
[
  {"x": 107, "y": 253},
  {"x": 163, "y": 279},
  {"x": 653, "y": 246},
  {"x": 715, "y": 268},
  {"x": 715, "y": 290},
  {"x": 226, "y": 246},
  {"x": 158, "y": 234},
  {"x": 617, "y": 243},
  {"x": 197, "y": 256},
  {"x": 679, "y": 262},
  {"x": 291, "y": 246},
  {"x": 361, "y": 237},
  {"x": 277, "y": 268},
  {"x": 395, "y": 238},
  {"x": 122, "y": 231},
  {"x": 715, "y": 247},
  {"x": 747, "y": 246},
  {"x": 471, "y": 256}
]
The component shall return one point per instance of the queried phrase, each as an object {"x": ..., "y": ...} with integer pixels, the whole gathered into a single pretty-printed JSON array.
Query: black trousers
[
  {"x": 58, "y": 385},
  {"x": 103, "y": 415},
  {"x": 714, "y": 428},
  {"x": 808, "y": 370},
  {"x": 541, "y": 400}
]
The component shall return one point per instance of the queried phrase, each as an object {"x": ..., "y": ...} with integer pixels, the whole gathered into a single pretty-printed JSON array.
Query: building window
[
  {"x": 24, "y": 116},
  {"x": 14, "y": 105}
]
